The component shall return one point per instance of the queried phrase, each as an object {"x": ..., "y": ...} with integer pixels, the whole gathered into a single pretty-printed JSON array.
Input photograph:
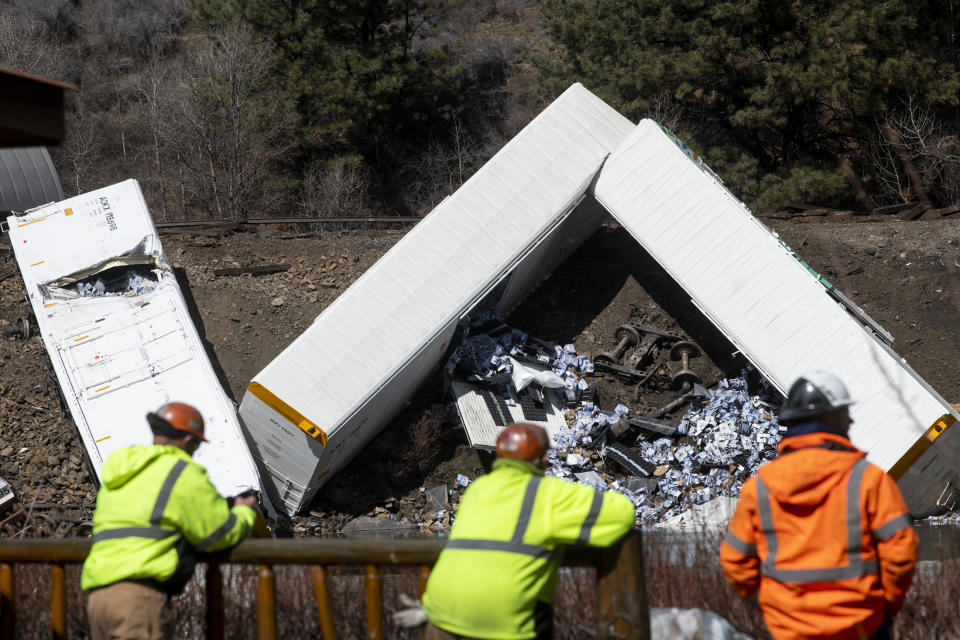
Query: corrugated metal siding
[
  {"x": 759, "y": 296},
  {"x": 28, "y": 179}
]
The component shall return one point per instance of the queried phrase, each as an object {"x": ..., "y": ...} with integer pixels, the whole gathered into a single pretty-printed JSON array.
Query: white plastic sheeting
[
  {"x": 766, "y": 302},
  {"x": 315, "y": 405},
  {"x": 117, "y": 357}
]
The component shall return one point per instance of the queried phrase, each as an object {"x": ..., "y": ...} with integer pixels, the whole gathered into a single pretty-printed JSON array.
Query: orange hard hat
[
  {"x": 523, "y": 441},
  {"x": 180, "y": 416}
]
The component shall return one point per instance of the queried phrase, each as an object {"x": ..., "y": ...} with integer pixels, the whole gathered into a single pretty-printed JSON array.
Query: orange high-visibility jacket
[{"x": 824, "y": 539}]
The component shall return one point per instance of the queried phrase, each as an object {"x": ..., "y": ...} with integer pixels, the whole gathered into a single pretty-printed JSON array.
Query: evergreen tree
[
  {"x": 771, "y": 92},
  {"x": 362, "y": 73}
]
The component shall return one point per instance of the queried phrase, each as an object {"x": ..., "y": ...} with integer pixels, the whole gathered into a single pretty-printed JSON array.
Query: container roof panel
[
  {"x": 767, "y": 302},
  {"x": 446, "y": 262}
]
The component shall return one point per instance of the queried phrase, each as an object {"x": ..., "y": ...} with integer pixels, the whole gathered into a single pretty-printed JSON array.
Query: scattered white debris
[
  {"x": 134, "y": 285},
  {"x": 691, "y": 624},
  {"x": 719, "y": 443},
  {"x": 715, "y": 514},
  {"x": 717, "y": 447}
]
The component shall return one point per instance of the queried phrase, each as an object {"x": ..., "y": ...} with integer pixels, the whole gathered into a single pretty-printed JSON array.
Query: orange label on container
[
  {"x": 920, "y": 447},
  {"x": 268, "y": 398}
]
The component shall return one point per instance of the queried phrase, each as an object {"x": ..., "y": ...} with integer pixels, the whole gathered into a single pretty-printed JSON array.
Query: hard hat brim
[
  {"x": 792, "y": 414},
  {"x": 151, "y": 416}
]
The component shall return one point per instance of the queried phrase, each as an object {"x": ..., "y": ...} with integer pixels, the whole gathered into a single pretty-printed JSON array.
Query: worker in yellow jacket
[
  {"x": 156, "y": 507},
  {"x": 496, "y": 576}
]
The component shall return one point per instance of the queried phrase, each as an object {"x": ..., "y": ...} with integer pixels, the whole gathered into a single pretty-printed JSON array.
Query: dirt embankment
[{"x": 906, "y": 275}]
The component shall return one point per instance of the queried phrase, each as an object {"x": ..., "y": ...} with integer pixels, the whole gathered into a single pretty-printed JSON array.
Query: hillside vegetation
[{"x": 227, "y": 109}]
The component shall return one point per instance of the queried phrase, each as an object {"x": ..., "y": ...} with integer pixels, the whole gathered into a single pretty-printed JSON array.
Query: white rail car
[
  {"x": 117, "y": 357},
  {"x": 325, "y": 396},
  {"x": 328, "y": 393},
  {"x": 783, "y": 317}
]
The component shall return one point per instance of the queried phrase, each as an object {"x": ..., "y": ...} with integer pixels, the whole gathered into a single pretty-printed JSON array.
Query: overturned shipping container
[
  {"x": 327, "y": 394},
  {"x": 118, "y": 330},
  {"x": 781, "y": 315},
  {"x": 311, "y": 409}
]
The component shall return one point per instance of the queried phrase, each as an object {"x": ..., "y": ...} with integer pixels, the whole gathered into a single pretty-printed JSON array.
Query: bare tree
[
  {"x": 81, "y": 144},
  {"x": 441, "y": 170},
  {"x": 335, "y": 189},
  {"x": 154, "y": 91},
  {"x": 914, "y": 136},
  {"x": 27, "y": 42},
  {"x": 666, "y": 110},
  {"x": 237, "y": 123}
]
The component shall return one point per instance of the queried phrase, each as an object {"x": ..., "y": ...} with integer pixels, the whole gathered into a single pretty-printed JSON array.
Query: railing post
[
  {"x": 214, "y": 587},
  {"x": 374, "y": 603},
  {"x": 424, "y": 577},
  {"x": 58, "y": 601},
  {"x": 266, "y": 608},
  {"x": 327, "y": 628},
  {"x": 8, "y": 615},
  {"x": 622, "y": 612}
]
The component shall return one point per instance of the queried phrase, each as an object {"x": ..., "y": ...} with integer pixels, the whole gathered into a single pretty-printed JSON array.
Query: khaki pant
[
  {"x": 436, "y": 633},
  {"x": 129, "y": 611}
]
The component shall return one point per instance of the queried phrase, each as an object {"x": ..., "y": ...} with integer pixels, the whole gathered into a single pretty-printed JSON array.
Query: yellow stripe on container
[
  {"x": 101, "y": 389},
  {"x": 920, "y": 447},
  {"x": 81, "y": 338},
  {"x": 50, "y": 304},
  {"x": 103, "y": 438},
  {"x": 268, "y": 398},
  {"x": 31, "y": 222},
  {"x": 37, "y": 263}
]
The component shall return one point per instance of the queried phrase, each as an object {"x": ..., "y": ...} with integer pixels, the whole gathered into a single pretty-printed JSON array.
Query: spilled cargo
[{"x": 490, "y": 243}]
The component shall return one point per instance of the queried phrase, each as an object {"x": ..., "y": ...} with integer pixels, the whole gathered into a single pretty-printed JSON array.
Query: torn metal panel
[
  {"x": 118, "y": 350},
  {"x": 315, "y": 405},
  {"x": 776, "y": 311},
  {"x": 485, "y": 413}
]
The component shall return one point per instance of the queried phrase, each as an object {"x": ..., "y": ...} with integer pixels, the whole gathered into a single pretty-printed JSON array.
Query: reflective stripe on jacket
[
  {"x": 501, "y": 560},
  {"x": 155, "y": 507},
  {"x": 825, "y": 538}
]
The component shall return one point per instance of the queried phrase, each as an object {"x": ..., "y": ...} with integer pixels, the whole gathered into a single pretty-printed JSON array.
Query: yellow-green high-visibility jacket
[
  {"x": 502, "y": 557},
  {"x": 154, "y": 509}
]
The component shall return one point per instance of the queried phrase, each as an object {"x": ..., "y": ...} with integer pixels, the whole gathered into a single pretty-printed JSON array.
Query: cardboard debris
[
  {"x": 437, "y": 498},
  {"x": 499, "y": 376},
  {"x": 719, "y": 445}
]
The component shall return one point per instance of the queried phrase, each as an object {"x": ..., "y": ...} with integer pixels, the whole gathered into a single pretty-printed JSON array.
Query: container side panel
[
  {"x": 28, "y": 179},
  {"x": 551, "y": 253},
  {"x": 439, "y": 269}
]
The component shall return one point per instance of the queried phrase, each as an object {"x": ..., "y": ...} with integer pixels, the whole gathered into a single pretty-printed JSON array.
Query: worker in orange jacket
[{"x": 821, "y": 536}]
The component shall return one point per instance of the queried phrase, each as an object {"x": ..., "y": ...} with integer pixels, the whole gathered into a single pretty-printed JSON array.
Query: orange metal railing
[{"x": 621, "y": 603}]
